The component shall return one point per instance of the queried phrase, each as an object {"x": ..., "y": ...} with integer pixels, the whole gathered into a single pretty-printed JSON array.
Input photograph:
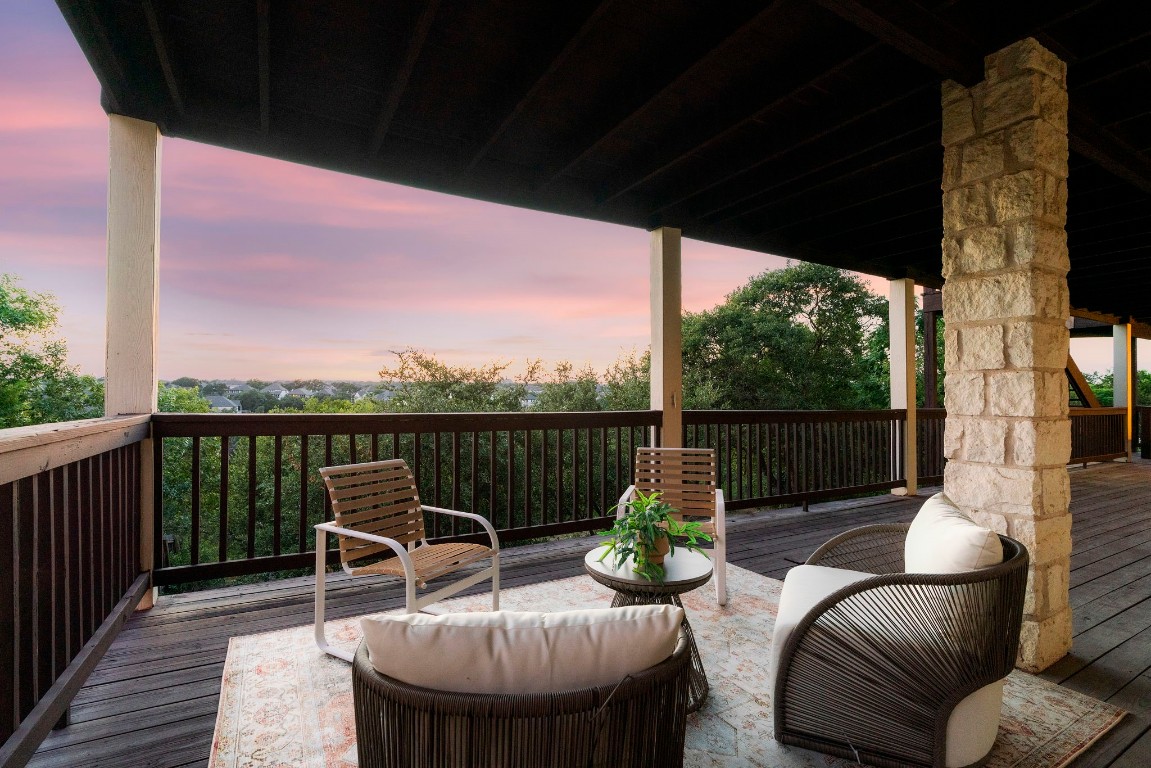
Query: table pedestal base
[{"x": 697, "y": 687}]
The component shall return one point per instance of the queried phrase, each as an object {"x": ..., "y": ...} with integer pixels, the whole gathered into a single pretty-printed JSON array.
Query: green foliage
[
  {"x": 37, "y": 386},
  {"x": 174, "y": 399},
  {"x": 636, "y": 534},
  {"x": 217, "y": 387},
  {"x": 425, "y": 385},
  {"x": 565, "y": 389},
  {"x": 185, "y": 381},
  {"x": 627, "y": 383},
  {"x": 1103, "y": 385},
  {"x": 330, "y": 405},
  {"x": 793, "y": 338}
]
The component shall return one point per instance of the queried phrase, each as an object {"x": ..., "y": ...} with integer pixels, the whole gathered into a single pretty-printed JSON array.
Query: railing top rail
[
  {"x": 27, "y": 451},
  {"x": 773, "y": 417},
  {"x": 230, "y": 424},
  {"x": 1089, "y": 412}
]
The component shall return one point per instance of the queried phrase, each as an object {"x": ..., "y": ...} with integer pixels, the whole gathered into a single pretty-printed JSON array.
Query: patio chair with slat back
[
  {"x": 686, "y": 479},
  {"x": 377, "y": 508}
]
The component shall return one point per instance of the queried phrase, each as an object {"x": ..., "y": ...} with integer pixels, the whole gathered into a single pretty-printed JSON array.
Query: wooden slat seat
[{"x": 378, "y": 513}]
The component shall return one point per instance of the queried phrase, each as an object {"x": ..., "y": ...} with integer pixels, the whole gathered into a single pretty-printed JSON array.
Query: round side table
[{"x": 683, "y": 571}]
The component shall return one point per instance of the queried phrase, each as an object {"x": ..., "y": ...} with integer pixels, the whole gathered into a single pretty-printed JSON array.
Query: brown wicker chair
[
  {"x": 378, "y": 512},
  {"x": 637, "y": 723},
  {"x": 686, "y": 478},
  {"x": 873, "y": 671}
]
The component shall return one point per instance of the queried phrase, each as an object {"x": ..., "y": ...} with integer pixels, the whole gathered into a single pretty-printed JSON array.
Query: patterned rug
[{"x": 284, "y": 703}]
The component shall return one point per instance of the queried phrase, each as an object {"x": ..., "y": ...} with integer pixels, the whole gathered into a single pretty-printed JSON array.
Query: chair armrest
[
  {"x": 471, "y": 516},
  {"x": 623, "y": 501},
  {"x": 400, "y": 550},
  {"x": 720, "y": 511},
  {"x": 872, "y": 548}
]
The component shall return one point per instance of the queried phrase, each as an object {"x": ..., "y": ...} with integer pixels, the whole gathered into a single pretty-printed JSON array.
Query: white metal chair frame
[
  {"x": 698, "y": 464},
  {"x": 418, "y": 543}
]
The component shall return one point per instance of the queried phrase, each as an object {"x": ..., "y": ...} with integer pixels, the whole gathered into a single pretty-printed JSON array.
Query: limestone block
[
  {"x": 952, "y": 248},
  {"x": 1018, "y": 195},
  {"x": 1010, "y": 101},
  {"x": 1040, "y": 442},
  {"x": 958, "y": 119},
  {"x": 985, "y": 441},
  {"x": 964, "y": 394},
  {"x": 983, "y": 249},
  {"x": 1039, "y": 243},
  {"x": 1055, "y": 199},
  {"x": 953, "y": 438},
  {"x": 1036, "y": 344},
  {"x": 1027, "y": 393},
  {"x": 952, "y": 161},
  {"x": 1043, "y": 641},
  {"x": 1006, "y": 296},
  {"x": 1053, "y": 103},
  {"x": 981, "y": 349},
  {"x": 983, "y": 157},
  {"x": 1047, "y": 587},
  {"x": 1037, "y": 143},
  {"x": 965, "y": 207},
  {"x": 1010, "y": 491},
  {"x": 950, "y": 340},
  {"x": 952, "y": 91},
  {"x": 1024, "y": 56},
  {"x": 1048, "y": 541}
]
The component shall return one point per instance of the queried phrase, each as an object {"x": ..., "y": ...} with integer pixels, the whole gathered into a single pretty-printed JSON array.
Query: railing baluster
[
  {"x": 302, "y": 533},
  {"x": 277, "y": 492},
  {"x": 251, "y": 496},
  {"x": 225, "y": 471}
]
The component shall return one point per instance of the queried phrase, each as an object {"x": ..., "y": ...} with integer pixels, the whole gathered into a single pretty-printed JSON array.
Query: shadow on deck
[{"x": 152, "y": 700}]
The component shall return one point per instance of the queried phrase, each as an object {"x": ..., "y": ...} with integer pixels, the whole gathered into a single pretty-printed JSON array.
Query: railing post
[
  {"x": 666, "y": 335},
  {"x": 1124, "y": 379},
  {"x": 901, "y": 324}
]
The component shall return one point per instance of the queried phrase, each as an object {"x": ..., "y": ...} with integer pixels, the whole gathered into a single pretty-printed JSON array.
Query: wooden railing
[
  {"x": 929, "y": 424},
  {"x": 70, "y": 526},
  {"x": 1143, "y": 430},
  {"x": 784, "y": 457},
  {"x": 240, "y": 493},
  {"x": 1098, "y": 434}
]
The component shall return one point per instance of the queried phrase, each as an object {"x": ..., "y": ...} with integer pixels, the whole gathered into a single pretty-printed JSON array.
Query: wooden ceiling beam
[
  {"x": 686, "y": 74},
  {"x": 264, "y": 44},
  {"x": 162, "y": 53},
  {"x": 399, "y": 83},
  {"x": 572, "y": 45},
  {"x": 916, "y": 32}
]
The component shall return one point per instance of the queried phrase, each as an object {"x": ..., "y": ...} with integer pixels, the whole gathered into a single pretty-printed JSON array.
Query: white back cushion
[
  {"x": 944, "y": 540},
  {"x": 521, "y": 652}
]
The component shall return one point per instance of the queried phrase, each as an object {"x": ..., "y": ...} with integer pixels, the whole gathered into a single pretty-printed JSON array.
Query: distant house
[
  {"x": 298, "y": 392},
  {"x": 236, "y": 390},
  {"x": 277, "y": 389},
  {"x": 221, "y": 404}
]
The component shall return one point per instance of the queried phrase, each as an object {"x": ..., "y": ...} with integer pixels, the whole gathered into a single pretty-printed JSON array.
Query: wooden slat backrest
[
  {"x": 684, "y": 477},
  {"x": 378, "y": 497}
]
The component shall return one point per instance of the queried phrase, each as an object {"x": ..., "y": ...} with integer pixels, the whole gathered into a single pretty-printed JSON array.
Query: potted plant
[{"x": 647, "y": 532}]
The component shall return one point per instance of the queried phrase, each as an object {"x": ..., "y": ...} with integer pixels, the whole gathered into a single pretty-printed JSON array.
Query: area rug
[{"x": 284, "y": 703}]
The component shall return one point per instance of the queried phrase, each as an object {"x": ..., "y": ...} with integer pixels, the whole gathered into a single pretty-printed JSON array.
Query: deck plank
[{"x": 153, "y": 698}]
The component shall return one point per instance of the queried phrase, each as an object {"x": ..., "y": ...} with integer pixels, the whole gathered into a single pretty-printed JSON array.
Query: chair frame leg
[
  {"x": 720, "y": 553},
  {"x": 321, "y": 590}
]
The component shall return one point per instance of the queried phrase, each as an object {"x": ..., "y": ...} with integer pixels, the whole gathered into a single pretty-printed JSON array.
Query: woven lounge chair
[
  {"x": 638, "y": 722},
  {"x": 876, "y": 668},
  {"x": 686, "y": 479},
  {"x": 377, "y": 509}
]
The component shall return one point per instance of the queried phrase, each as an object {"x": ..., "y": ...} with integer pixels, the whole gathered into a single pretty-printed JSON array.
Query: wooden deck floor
[{"x": 152, "y": 700}]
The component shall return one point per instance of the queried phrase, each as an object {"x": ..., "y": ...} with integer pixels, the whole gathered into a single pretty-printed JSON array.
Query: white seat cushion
[
  {"x": 521, "y": 652},
  {"x": 942, "y": 539}
]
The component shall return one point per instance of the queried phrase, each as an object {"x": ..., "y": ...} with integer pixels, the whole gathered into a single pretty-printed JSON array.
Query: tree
[
  {"x": 186, "y": 382},
  {"x": 37, "y": 386},
  {"x": 173, "y": 399},
  {"x": 793, "y": 338},
  {"x": 425, "y": 385},
  {"x": 627, "y": 383},
  {"x": 566, "y": 389},
  {"x": 1103, "y": 385},
  {"x": 215, "y": 387}
]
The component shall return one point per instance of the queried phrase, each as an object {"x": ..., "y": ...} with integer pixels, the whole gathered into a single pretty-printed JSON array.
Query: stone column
[{"x": 1008, "y": 436}]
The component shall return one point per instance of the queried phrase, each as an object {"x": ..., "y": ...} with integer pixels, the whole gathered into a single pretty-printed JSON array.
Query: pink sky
[{"x": 273, "y": 270}]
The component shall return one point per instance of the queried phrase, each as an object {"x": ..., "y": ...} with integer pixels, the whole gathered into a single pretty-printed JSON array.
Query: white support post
[
  {"x": 1124, "y": 378},
  {"x": 666, "y": 334},
  {"x": 901, "y": 323},
  {"x": 133, "y": 292},
  {"x": 133, "y": 266}
]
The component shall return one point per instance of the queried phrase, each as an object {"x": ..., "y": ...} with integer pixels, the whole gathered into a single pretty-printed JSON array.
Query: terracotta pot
[{"x": 662, "y": 547}]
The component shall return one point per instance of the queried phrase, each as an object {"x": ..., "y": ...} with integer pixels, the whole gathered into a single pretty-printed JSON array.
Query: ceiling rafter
[
  {"x": 933, "y": 42},
  {"x": 162, "y": 53},
  {"x": 660, "y": 92},
  {"x": 718, "y": 134},
  {"x": 400, "y": 82},
  {"x": 264, "y": 44},
  {"x": 572, "y": 44}
]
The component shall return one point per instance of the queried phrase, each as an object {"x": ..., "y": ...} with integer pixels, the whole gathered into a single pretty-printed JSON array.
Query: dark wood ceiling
[{"x": 804, "y": 128}]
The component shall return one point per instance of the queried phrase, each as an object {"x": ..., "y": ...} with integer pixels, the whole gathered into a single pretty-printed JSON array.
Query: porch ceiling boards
[{"x": 805, "y": 128}]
